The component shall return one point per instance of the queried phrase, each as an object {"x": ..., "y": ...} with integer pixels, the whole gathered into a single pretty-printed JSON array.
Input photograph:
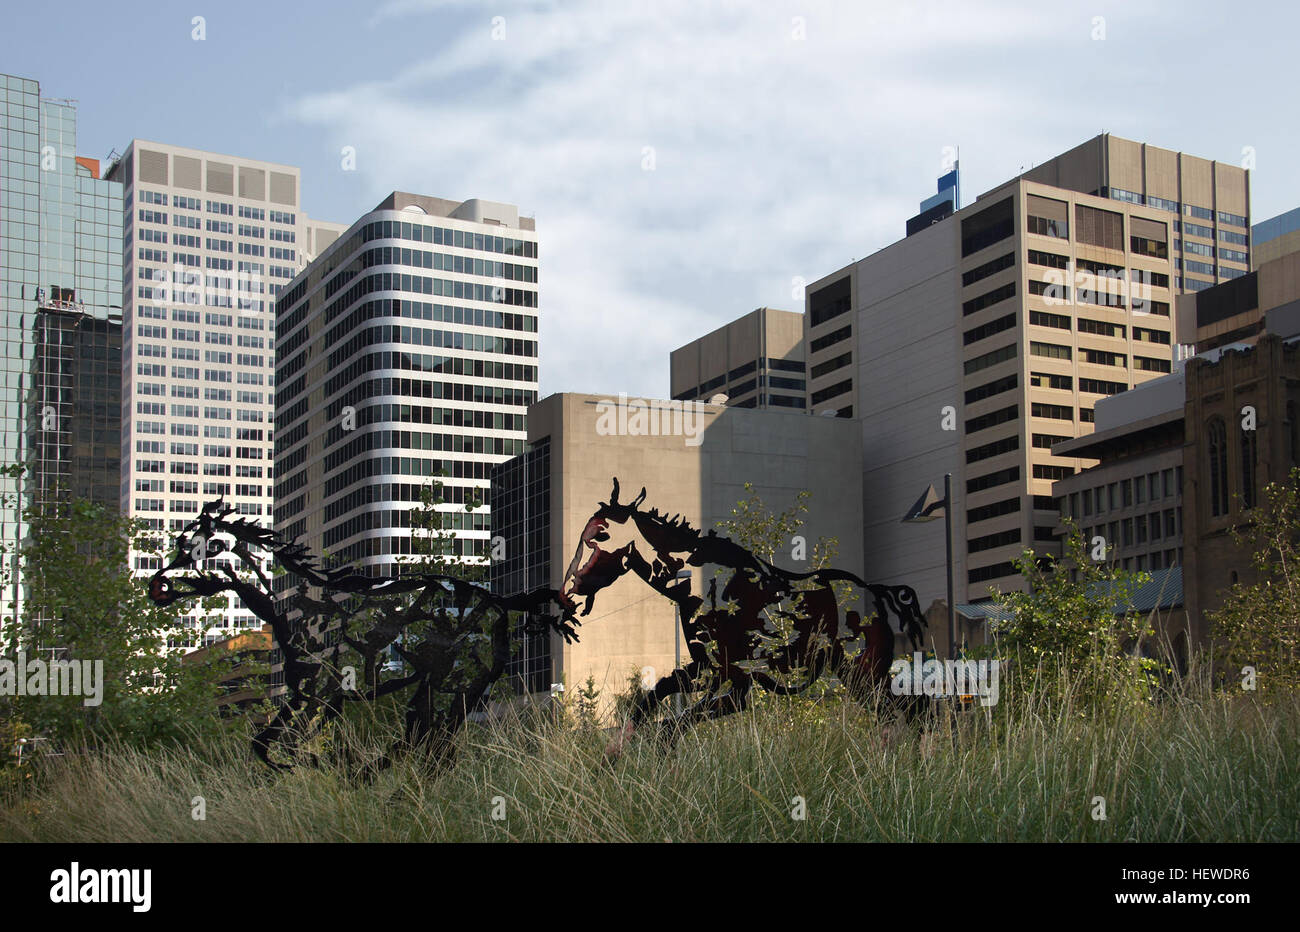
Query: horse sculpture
[
  {"x": 733, "y": 637},
  {"x": 452, "y": 636}
]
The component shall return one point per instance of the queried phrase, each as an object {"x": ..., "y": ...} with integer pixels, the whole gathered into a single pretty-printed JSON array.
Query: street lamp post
[{"x": 927, "y": 508}]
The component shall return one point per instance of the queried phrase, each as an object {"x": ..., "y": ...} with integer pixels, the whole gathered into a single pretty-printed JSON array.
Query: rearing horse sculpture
[
  {"x": 452, "y": 636},
  {"x": 734, "y": 638}
]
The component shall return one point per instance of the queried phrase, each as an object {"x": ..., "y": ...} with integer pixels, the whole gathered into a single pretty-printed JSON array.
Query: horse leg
[
  {"x": 734, "y": 700},
  {"x": 679, "y": 681}
]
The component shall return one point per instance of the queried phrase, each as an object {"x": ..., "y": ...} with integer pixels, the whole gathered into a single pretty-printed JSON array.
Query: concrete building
[
  {"x": 1227, "y": 463},
  {"x": 1207, "y": 202},
  {"x": 407, "y": 349},
  {"x": 60, "y": 280},
  {"x": 210, "y": 240},
  {"x": 978, "y": 344},
  {"x": 1275, "y": 237},
  {"x": 544, "y": 498},
  {"x": 1266, "y": 299},
  {"x": 757, "y": 361},
  {"x": 1133, "y": 497}
]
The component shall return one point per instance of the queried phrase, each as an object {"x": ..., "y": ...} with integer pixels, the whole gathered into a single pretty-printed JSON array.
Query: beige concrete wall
[
  {"x": 1279, "y": 282},
  {"x": 1079, "y": 169},
  {"x": 631, "y": 627},
  {"x": 1232, "y": 189},
  {"x": 1161, "y": 174},
  {"x": 1275, "y": 248},
  {"x": 908, "y": 370}
]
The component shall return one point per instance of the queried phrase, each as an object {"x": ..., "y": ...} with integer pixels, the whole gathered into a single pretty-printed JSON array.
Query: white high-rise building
[
  {"x": 208, "y": 242},
  {"x": 407, "y": 349}
]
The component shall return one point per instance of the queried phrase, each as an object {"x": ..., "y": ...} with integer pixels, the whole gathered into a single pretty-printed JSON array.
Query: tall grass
[{"x": 1195, "y": 766}]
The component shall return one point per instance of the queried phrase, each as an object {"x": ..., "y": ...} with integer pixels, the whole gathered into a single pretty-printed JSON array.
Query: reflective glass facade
[{"x": 60, "y": 290}]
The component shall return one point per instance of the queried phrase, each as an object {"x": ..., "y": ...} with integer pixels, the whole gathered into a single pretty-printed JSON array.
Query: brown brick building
[{"x": 1227, "y": 465}]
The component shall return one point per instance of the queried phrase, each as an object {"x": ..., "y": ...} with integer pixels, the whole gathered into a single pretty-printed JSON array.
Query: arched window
[
  {"x": 1217, "y": 440},
  {"x": 1249, "y": 459}
]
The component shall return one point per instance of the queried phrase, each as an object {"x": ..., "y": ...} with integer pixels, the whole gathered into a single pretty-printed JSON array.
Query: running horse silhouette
[
  {"x": 453, "y": 637},
  {"x": 731, "y": 637}
]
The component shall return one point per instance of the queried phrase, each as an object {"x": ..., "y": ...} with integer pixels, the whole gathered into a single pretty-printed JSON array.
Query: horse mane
[
  {"x": 715, "y": 548},
  {"x": 677, "y": 527}
]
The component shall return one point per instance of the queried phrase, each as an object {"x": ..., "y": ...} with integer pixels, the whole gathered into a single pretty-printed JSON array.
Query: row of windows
[
  {"x": 989, "y": 268},
  {"x": 996, "y": 448},
  {"x": 989, "y": 298},
  {"x": 993, "y": 479},
  {"x": 990, "y": 359},
  {"x": 442, "y": 236},
  {"x": 1125, "y": 493},
  {"x": 435, "y": 287},
  {"x": 445, "y": 262},
  {"x": 989, "y": 329},
  {"x": 831, "y": 391},
  {"x": 830, "y": 365},
  {"x": 447, "y": 417},
  {"x": 1190, "y": 210},
  {"x": 374, "y": 493},
  {"x": 1138, "y": 530},
  {"x": 396, "y": 466},
  {"x": 989, "y": 389}
]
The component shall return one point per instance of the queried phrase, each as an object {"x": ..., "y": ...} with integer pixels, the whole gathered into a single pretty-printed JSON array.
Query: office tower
[
  {"x": 1208, "y": 202},
  {"x": 60, "y": 273},
  {"x": 757, "y": 361},
  {"x": 210, "y": 240},
  {"x": 407, "y": 349},
  {"x": 977, "y": 344},
  {"x": 1275, "y": 237}
]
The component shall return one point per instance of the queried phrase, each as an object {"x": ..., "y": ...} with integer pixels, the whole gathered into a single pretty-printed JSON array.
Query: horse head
[
  {"x": 611, "y": 543},
  {"x": 206, "y": 536}
]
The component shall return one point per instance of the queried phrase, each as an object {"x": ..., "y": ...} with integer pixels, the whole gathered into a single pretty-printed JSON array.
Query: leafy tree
[
  {"x": 588, "y": 703},
  {"x": 767, "y": 533},
  {"x": 1067, "y": 620},
  {"x": 1259, "y": 624},
  {"x": 433, "y": 545},
  {"x": 84, "y": 605}
]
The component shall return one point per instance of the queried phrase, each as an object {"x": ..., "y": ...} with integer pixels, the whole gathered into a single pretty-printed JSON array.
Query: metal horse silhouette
[
  {"x": 452, "y": 636},
  {"x": 730, "y": 636}
]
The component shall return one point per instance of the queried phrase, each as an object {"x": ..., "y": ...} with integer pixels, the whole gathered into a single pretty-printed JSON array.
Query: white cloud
[{"x": 775, "y": 157}]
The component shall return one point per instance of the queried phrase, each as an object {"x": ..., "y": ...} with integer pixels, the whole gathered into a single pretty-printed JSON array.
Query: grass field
[{"x": 1194, "y": 767}]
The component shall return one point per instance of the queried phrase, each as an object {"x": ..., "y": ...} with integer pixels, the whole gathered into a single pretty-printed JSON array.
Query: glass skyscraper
[{"x": 61, "y": 294}]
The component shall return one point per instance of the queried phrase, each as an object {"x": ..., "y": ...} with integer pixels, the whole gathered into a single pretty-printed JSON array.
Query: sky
[{"x": 686, "y": 160}]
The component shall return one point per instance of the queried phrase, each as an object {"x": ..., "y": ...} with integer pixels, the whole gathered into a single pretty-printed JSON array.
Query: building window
[{"x": 1218, "y": 451}]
